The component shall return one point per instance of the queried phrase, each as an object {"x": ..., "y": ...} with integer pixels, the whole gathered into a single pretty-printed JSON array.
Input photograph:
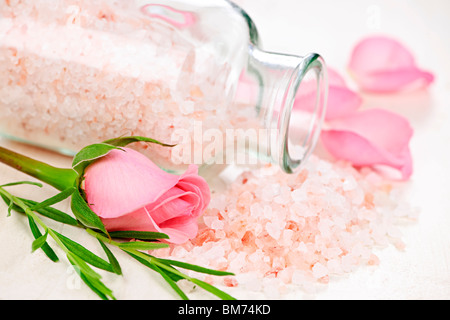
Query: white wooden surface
[{"x": 421, "y": 271}]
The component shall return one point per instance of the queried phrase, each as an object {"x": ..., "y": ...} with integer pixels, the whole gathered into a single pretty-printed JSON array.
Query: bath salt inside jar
[{"x": 189, "y": 73}]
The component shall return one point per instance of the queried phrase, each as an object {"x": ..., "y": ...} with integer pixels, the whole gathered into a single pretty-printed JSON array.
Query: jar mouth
[{"x": 303, "y": 112}]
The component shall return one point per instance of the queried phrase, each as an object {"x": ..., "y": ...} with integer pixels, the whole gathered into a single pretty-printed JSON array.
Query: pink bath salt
[
  {"x": 320, "y": 231},
  {"x": 203, "y": 236},
  {"x": 230, "y": 282},
  {"x": 319, "y": 271},
  {"x": 373, "y": 260}
]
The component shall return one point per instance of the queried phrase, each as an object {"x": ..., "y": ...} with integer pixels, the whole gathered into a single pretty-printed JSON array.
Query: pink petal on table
[
  {"x": 382, "y": 64},
  {"x": 371, "y": 137},
  {"x": 341, "y": 100}
]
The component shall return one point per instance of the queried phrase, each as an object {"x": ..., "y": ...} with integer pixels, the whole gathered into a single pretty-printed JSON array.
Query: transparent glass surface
[{"x": 189, "y": 73}]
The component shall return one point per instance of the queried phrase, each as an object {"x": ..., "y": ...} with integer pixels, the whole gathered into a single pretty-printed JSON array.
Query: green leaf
[
  {"x": 124, "y": 141},
  {"x": 210, "y": 288},
  {"x": 196, "y": 268},
  {"x": 39, "y": 242},
  {"x": 50, "y": 212},
  {"x": 82, "y": 265},
  {"x": 92, "y": 152},
  {"x": 140, "y": 245},
  {"x": 90, "y": 277},
  {"x": 10, "y": 207},
  {"x": 84, "y": 214},
  {"x": 22, "y": 182},
  {"x": 171, "y": 282},
  {"x": 146, "y": 262},
  {"x": 55, "y": 199},
  {"x": 111, "y": 258},
  {"x": 89, "y": 282},
  {"x": 84, "y": 253},
  {"x": 141, "y": 235},
  {"x": 169, "y": 277},
  {"x": 45, "y": 247}
]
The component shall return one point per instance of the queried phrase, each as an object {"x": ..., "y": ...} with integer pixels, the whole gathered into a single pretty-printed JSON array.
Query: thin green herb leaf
[
  {"x": 196, "y": 268},
  {"x": 140, "y": 235},
  {"x": 124, "y": 141},
  {"x": 84, "y": 253},
  {"x": 210, "y": 288},
  {"x": 171, "y": 278},
  {"x": 48, "y": 212},
  {"x": 111, "y": 258},
  {"x": 90, "y": 277},
  {"x": 84, "y": 214},
  {"x": 11, "y": 205},
  {"x": 139, "y": 245},
  {"x": 89, "y": 283},
  {"x": 92, "y": 152},
  {"x": 39, "y": 242},
  {"x": 206, "y": 286},
  {"x": 83, "y": 266},
  {"x": 22, "y": 182},
  {"x": 51, "y": 213},
  {"x": 55, "y": 199},
  {"x": 10, "y": 208},
  {"x": 147, "y": 262},
  {"x": 45, "y": 247},
  {"x": 171, "y": 282}
]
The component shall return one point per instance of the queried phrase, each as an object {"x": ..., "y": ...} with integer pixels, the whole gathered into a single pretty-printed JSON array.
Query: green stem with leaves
[
  {"x": 80, "y": 257},
  {"x": 166, "y": 268}
]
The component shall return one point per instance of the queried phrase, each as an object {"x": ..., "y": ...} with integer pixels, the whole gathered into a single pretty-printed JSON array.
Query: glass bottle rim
[{"x": 310, "y": 63}]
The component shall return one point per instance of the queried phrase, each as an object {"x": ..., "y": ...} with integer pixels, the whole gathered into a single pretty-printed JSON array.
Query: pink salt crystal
[
  {"x": 274, "y": 229},
  {"x": 319, "y": 271},
  {"x": 334, "y": 266},
  {"x": 400, "y": 245},
  {"x": 373, "y": 260},
  {"x": 248, "y": 238},
  {"x": 330, "y": 253},
  {"x": 245, "y": 200},
  {"x": 204, "y": 236},
  {"x": 230, "y": 282}
]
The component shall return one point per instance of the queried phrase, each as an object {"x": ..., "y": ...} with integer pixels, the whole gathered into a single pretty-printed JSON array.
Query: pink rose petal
[
  {"x": 371, "y": 137},
  {"x": 341, "y": 100},
  {"x": 382, "y": 64},
  {"x": 124, "y": 181}
]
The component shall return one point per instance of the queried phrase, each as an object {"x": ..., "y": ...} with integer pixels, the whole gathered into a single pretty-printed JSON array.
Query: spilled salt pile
[{"x": 273, "y": 230}]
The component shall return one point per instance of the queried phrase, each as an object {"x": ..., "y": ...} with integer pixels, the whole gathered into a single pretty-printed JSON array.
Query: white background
[{"x": 331, "y": 28}]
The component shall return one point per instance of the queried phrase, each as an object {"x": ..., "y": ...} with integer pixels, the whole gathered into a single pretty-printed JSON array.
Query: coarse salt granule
[{"x": 330, "y": 220}]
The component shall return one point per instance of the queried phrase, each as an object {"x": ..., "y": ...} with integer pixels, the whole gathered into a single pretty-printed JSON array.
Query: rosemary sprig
[
  {"x": 167, "y": 267},
  {"x": 83, "y": 259},
  {"x": 78, "y": 256}
]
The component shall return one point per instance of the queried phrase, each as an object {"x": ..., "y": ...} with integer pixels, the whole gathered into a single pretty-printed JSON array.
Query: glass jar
[{"x": 187, "y": 72}]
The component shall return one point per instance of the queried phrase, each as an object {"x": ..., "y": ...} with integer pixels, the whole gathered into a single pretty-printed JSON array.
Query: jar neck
[{"x": 289, "y": 93}]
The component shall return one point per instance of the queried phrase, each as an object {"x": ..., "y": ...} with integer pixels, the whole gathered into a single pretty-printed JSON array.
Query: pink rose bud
[{"x": 129, "y": 192}]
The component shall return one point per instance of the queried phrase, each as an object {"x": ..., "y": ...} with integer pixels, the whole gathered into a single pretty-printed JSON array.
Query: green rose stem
[{"x": 59, "y": 178}]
